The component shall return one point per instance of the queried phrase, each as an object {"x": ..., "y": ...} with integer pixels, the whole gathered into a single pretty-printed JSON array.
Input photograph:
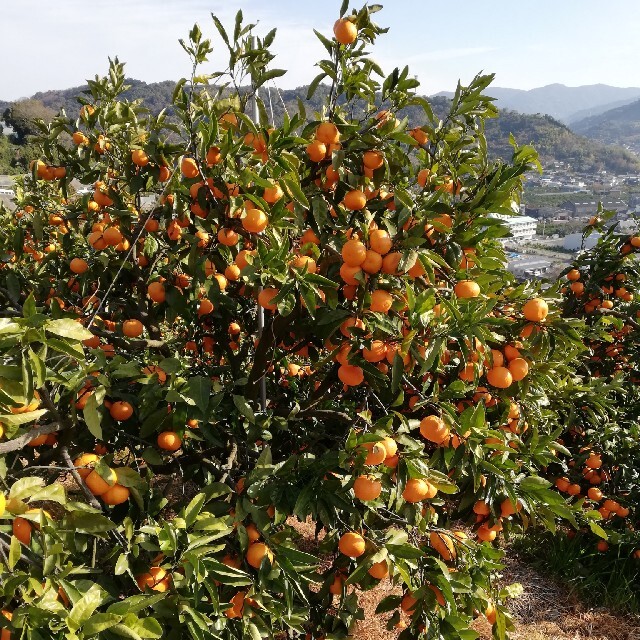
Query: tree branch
[
  {"x": 78, "y": 478},
  {"x": 22, "y": 441}
]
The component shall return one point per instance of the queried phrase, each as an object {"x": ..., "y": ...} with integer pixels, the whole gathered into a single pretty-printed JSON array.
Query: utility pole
[{"x": 263, "y": 380}]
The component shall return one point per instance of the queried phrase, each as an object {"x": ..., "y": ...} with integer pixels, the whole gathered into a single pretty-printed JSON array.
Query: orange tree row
[
  {"x": 150, "y": 490},
  {"x": 600, "y": 464}
]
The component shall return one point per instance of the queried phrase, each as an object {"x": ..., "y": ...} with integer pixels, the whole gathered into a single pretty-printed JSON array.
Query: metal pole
[{"x": 263, "y": 379}]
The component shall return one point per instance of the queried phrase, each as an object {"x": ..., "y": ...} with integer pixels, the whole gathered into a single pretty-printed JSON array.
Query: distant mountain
[
  {"x": 563, "y": 103},
  {"x": 554, "y": 141},
  {"x": 156, "y": 96},
  {"x": 617, "y": 126}
]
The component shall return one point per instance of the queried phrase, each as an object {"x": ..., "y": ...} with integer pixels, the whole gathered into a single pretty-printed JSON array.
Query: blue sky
[{"x": 55, "y": 45}]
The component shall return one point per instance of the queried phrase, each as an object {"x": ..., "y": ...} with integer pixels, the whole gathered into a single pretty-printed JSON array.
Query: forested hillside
[
  {"x": 617, "y": 126},
  {"x": 554, "y": 141}
]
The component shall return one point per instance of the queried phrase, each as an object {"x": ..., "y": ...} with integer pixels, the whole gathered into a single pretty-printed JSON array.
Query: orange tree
[
  {"x": 159, "y": 445},
  {"x": 600, "y": 466}
]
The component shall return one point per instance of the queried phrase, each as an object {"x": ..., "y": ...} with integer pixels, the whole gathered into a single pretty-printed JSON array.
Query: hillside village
[{"x": 581, "y": 175}]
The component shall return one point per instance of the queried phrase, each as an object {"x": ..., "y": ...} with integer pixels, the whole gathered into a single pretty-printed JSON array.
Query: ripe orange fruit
[
  {"x": 132, "y": 328},
  {"x": 79, "y": 138},
  {"x": 345, "y": 31},
  {"x": 419, "y": 136},
  {"x": 85, "y": 460},
  {"x": 481, "y": 508},
  {"x": 594, "y": 461},
  {"x": 237, "y": 606},
  {"x": 535, "y": 310},
  {"x": 443, "y": 544},
  {"x": 602, "y": 546},
  {"x": 594, "y": 494},
  {"x": 213, "y": 156},
  {"x": 367, "y": 488},
  {"x": 228, "y": 237},
  {"x": 152, "y": 369},
  {"x": 372, "y": 263},
  {"x": 486, "y": 534},
  {"x": 316, "y": 151},
  {"x": 139, "y": 158},
  {"x": 328, "y": 133},
  {"x": 169, "y": 441},
  {"x": 189, "y": 168},
  {"x": 376, "y": 353},
  {"x": 577, "y": 288},
  {"x": 256, "y": 552},
  {"x": 391, "y": 262},
  {"x": 22, "y": 529},
  {"x": 467, "y": 289},
  {"x": 408, "y": 603},
  {"x": 156, "y": 292},
  {"x": 336, "y": 586},
  {"x": 573, "y": 275},
  {"x": 373, "y": 159},
  {"x": 272, "y": 194},
  {"x": 379, "y": 570},
  {"x": 121, "y": 410},
  {"x": 491, "y": 613},
  {"x": 351, "y": 375},
  {"x": 518, "y": 368},
  {"x": 390, "y": 447},
  {"x": 354, "y": 253},
  {"x": 205, "y": 307},
  {"x": 499, "y": 377},
  {"x": 422, "y": 177},
  {"x": 377, "y": 453},
  {"x": 304, "y": 262},
  {"x": 115, "y": 495},
  {"x": 265, "y": 298},
  {"x": 381, "y": 301},
  {"x": 355, "y": 200},
  {"x": 418, "y": 489},
  {"x": 380, "y": 241},
  {"x": 98, "y": 485},
  {"x": 78, "y": 266},
  {"x": 434, "y": 429},
  {"x": 255, "y": 221},
  {"x": 351, "y": 544}
]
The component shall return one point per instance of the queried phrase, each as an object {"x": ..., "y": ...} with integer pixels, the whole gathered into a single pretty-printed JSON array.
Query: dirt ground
[{"x": 545, "y": 611}]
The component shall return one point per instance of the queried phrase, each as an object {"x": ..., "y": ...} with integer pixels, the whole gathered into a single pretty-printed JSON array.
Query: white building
[{"x": 521, "y": 228}]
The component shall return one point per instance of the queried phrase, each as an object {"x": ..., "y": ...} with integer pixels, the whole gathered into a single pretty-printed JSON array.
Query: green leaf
[
  {"x": 243, "y": 407},
  {"x": 198, "y": 389},
  {"x": 92, "y": 416},
  {"x": 227, "y": 575},
  {"x": 124, "y": 632},
  {"x": 99, "y": 622},
  {"x": 144, "y": 627},
  {"x": 29, "y": 306},
  {"x": 22, "y": 418},
  {"x": 193, "y": 509},
  {"x": 14, "y": 553},
  {"x": 534, "y": 483},
  {"x": 122, "y": 565},
  {"x": 598, "y": 530},
  {"x": 87, "y": 522},
  {"x": 133, "y": 604},
  {"x": 84, "y": 608},
  {"x": 67, "y": 328},
  {"x": 25, "y": 487}
]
